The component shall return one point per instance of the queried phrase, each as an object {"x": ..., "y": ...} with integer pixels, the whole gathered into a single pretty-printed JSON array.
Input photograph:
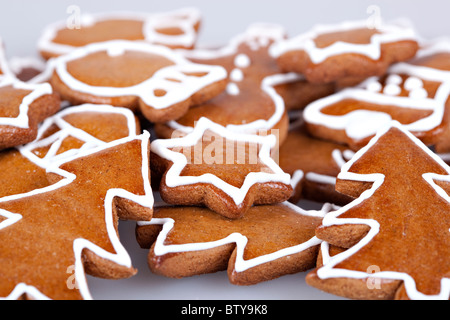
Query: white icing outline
[
  {"x": 332, "y": 219},
  {"x": 356, "y": 123},
  {"x": 176, "y": 91},
  {"x": 257, "y": 35},
  {"x": 389, "y": 33},
  {"x": 67, "y": 130},
  {"x": 174, "y": 179},
  {"x": 240, "y": 240},
  {"x": 152, "y": 22},
  {"x": 22, "y": 120},
  {"x": 121, "y": 256}
]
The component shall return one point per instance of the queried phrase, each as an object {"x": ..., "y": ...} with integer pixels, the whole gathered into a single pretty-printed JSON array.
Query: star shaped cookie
[{"x": 223, "y": 170}]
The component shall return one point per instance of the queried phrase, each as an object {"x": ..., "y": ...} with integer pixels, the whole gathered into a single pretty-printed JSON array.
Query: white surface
[{"x": 22, "y": 21}]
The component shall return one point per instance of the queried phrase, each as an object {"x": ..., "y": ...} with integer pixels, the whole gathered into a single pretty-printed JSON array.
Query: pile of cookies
[{"x": 212, "y": 150}]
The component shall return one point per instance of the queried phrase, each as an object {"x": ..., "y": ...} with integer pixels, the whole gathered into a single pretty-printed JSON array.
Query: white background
[{"x": 21, "y": 23}]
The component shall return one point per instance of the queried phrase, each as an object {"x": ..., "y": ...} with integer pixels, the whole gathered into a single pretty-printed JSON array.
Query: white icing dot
[
  {"x": 236, "y": 75},
  {"x": 233, "y": 89},
  {"x": 242, "y": 61},
  {"x": 392, "y": 90},
  {"x": 374, "y": 86},
  {"x": 413, "y": 83},
  {"x": 394, "y": 79},
  {"x": 419, "y": 93}
]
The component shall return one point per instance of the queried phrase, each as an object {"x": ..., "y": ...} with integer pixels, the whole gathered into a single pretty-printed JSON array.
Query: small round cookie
[
  {"x": 258, "y": 93},
  {"x": 269, "y": 242},
  {"x": 329, "y": 53},
  {"x": 225, "y": 171},
  {"x": 177, "y": 29},
  {"x": 154, "y": 80}
]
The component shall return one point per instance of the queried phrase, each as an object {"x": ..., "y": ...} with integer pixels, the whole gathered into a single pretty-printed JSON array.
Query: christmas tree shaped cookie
[
  {"x": 51, "y": 237},
  {"x": 397, "y": 232}
]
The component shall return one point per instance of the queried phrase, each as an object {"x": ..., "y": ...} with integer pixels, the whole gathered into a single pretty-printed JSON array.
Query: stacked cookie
[{"x": 350, "y": 116}]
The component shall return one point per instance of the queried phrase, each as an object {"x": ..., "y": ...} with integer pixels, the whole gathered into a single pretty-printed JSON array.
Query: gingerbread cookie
[
  {"x": 225, "y": 171},
  {"x": 329, "y": 53},
  {"x": 152, "y": 79},
  {"x": 177, "y": 29},
  {"x": 415, "y": 93},
  {"x": 258, "y": 92},
  {"x": 24, "y": 107},
  {"x": 50, "y": 237},
  {"x": 397, "y": 231},
  {"x": 61, "y": 136},
  {"x": 313, "y": 165},
  {"x": 268, "y": 242}
]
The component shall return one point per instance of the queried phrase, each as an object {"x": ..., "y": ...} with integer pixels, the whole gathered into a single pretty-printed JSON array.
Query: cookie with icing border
[
  {"x": 329, "y": 53},
  {"x": 153, "y": 80},
  {"x": 415, "y": 93},
  {"x": 23, "y": 107},
  {"x": 313, "y": 165},
  {"x": 396, "y": 233},
  {"x": 214, "y": 167},
  {"x": 52, "y": 236},
  {"x": 258, "y": 93},
  {"x": 66, "y": 134},
  {"x": 177, "y": 29},
  {"x": 268, "y": 242}
]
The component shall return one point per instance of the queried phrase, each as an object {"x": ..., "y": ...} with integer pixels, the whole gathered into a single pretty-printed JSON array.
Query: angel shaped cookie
[
  {"x": 258, "y": 93},
  {"x": 177, "y": 29},
  {"x": 352, "y": 49},
  {"x": 415, "y": 93},
  {"x": 225, "y": 171},
  {"x": 396, "y": 232},
  {"x": 151, "y": 79}
]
